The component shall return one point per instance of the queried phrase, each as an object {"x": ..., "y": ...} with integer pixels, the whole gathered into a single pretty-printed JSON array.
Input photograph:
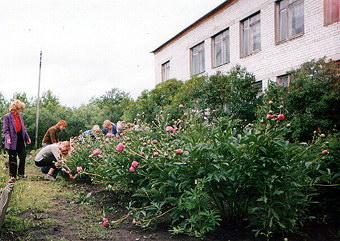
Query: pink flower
[
  {"x": 132, "y": 169},
  {"x": 154, "y": 141},
  {"x": 96, "y": 152},
  {"x": 105, "y": 220},
  {"x": 79, "y": 169},
  {"x": 270, "y": 116},
  {"x": 106, "y": 224},
  {"x": 109, "y": 134},
  {"x": 169, "y": 129},
  {"x": 180, "y": 105},
  {"x": 135, "y": 164},
  {"x": 88, "y": 146},
  {"x": 155, "y": 154},
  {"x": 174, "y": 131},
  {"x": 325, "y": 152},
  {"x": 179, "y": 151},
  {"x": 120, "y": 147},
  {"x": 280, "y": 117}
]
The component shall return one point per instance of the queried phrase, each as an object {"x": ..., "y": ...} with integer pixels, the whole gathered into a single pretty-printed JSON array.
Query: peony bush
[{"x": 196, "y": 174}]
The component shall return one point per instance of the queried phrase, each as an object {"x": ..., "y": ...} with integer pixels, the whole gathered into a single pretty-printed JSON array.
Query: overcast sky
[{"x": 89, "y": 46}]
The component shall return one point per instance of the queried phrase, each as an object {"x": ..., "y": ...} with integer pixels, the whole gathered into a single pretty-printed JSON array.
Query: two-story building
[{"x": 267, "y": 37}]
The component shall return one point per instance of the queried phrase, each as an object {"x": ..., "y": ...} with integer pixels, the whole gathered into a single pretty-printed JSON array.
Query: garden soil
[{"x": 79, "y": 218}]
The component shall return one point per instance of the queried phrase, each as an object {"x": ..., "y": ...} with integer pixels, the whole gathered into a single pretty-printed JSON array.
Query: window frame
[
  {"x": 165, "y": 71},
  {"x": 225, "y": 50},
  {"x": 288, "y": 28},
  {"x": 328, "y": 6},
  {"x": 200, "y": 57},
  {"x": 250, "y": 35},
  {"x": 278, "y": 78}
]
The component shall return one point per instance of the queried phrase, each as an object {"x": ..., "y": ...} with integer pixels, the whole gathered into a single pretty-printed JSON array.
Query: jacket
[{"x": 9, "y": 131}]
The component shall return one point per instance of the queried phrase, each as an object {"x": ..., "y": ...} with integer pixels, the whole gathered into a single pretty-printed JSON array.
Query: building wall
[{"x": 273, "y": 59}]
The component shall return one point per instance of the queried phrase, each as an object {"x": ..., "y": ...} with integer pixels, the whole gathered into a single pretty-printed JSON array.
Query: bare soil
[{"x": 79, "y": 218}]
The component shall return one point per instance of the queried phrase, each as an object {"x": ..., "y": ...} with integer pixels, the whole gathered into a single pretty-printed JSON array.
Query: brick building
[{"x": 267, "y": 37}]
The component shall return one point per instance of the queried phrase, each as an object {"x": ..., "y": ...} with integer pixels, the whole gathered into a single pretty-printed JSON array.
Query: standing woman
[
  {"x": 52, "y": 134},
  {"x": 16, "y": 137}
]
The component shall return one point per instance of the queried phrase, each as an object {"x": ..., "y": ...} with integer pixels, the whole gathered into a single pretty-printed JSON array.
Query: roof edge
[{"x": 193, "y": 24}]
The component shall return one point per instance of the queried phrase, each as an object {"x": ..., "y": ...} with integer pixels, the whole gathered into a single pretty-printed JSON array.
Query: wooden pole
[{"x": 38, "y": 106}]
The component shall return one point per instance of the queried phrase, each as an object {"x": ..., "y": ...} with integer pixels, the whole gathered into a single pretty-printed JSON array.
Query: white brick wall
[{"x": 273, "y": 60}]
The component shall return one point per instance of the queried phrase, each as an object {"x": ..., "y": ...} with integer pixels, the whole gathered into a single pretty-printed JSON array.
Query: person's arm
[
  {"x": 26, "y": 136},
  {"x": 6, "y": 129},
  {"x": 56, "y": 153}
]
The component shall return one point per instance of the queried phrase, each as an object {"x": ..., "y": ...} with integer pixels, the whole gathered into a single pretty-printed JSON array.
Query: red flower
[
  {"x": 325, "y": 152},
  {"x": 280, "y": 117}
]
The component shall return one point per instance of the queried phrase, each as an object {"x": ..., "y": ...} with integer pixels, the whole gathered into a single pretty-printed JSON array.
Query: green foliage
[
  {"x": 223, "y": 173},
  {"x": 312, "y": 99}
]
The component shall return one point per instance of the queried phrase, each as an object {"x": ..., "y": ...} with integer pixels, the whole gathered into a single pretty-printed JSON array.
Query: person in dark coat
[{"x": 16, "y": 138}]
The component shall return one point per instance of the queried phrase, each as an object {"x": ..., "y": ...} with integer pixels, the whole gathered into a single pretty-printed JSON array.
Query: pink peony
[
  {"x": 280, "y": 117},
  {"x": 155, "y": 154},
  {"x": 179, "y": 151},
  {"x": 120, "y": 147},
  {"x": 88, "y": 146},
  {"x": 132, "y": 169},
  {"x": 325, "y": 152},
  {"x": 169, "y": 129},
  {"x": 135, "y": 164},
  {"x": 96, "y": 152},
  {"x": 79, "y": 169},
  {"x": 154, "y": 141}
]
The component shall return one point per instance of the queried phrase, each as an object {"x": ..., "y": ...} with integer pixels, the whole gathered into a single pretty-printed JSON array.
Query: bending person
[
  {"x": 52, "y": 134},
  {"x": 49, "y": 159}
]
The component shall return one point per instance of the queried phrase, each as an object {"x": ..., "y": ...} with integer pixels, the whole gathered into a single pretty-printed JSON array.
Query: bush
[{"x": 196, "y": 174}]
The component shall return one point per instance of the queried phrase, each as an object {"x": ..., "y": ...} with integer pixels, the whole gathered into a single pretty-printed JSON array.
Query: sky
[{"x": 88, "y": 46}]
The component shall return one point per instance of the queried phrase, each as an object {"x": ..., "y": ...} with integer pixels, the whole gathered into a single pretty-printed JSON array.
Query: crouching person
[{"x": 49, "y": 159}]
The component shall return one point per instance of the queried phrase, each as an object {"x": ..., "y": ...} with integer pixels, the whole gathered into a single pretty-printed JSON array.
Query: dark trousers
[
  {"x": 13, "y": 154},
  {"x": 46, "y": 164}
]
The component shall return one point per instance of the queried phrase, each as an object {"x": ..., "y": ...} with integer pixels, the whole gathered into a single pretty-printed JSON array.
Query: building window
[
  {"x": 250, "y": 34},
  {"x": 331, "y": 11},
  {"x": 197, "y": 59},
  {"x": 283, "y": 80},
  {"x": 165, "y": 71},
  {"x": 290, "y": 19},
  {"x": 221, "y": 49},
  {"x": 259, "y": 86}
]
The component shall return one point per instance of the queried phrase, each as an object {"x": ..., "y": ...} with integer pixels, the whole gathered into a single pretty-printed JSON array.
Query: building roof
[{"x": 197, "y": 22}]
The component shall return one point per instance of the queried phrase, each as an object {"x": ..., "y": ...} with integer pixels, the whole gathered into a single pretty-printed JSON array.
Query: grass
[
  {"x": 29, "y": 196},
  {"x": 32, "y": 200}
]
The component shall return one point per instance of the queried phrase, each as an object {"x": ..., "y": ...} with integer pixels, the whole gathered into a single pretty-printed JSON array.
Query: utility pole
[{"x": 38, "y": 106}]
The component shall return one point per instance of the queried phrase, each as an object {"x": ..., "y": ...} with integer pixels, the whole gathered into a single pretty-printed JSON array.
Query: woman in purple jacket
[{"x": 16, "y": 137}]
